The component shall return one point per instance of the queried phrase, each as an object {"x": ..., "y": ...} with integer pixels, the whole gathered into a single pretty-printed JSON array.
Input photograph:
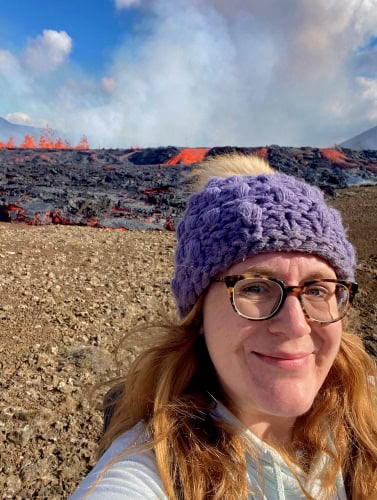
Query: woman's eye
[
  {"x": 254, "y": 289},
  {"x": 317, "y": 292}
]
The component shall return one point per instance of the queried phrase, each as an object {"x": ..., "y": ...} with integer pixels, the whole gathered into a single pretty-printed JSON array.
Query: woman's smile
[{"x": 285, "y": 361}]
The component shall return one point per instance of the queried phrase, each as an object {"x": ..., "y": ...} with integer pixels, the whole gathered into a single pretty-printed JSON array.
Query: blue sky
[
  {"x": 95, "y": 26},
  {"x": 189, "y": 72}
]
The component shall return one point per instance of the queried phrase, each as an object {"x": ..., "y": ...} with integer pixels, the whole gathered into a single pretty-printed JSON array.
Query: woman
[{"x": 259, "y": 391}]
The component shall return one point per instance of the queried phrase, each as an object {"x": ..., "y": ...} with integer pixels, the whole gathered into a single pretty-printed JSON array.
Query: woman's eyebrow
[
  {"x": 269, "y": 271},
  {"x": 261, "y": 270},
  {"x": 318, "y": 275}
]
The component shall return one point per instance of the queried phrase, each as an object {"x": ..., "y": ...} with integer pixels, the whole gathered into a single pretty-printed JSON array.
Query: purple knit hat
[{"x": 239, "y": 216}]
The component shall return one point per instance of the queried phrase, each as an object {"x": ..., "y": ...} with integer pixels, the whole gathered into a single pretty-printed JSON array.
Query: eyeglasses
[{"x": 260, "y": 298}]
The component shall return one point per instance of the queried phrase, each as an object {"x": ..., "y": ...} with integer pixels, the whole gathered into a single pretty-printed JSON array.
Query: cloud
[
  {"x": 108, "y": 84},
  {"x": 8, "y": 63},
  {"x": 125, "y": 4},
  {"x": 48, "y": 51},
  {"x": 368, "y": 88},
  {"x": 19, "y": 118},
  {"x": 16, "y": 85},
  {"x": 214, "y": 73},
  {"x": 248, "y": 72}
]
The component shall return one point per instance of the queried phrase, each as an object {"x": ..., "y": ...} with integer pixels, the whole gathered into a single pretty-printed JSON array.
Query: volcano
[{"x": 363, "y": 141}]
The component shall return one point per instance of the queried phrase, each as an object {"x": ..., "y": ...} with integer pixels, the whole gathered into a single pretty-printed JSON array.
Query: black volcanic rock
[
  {"x": 153, "y": 156},
  {"x": 138, "y": 189},
  {"x": 226, "y": 150}
]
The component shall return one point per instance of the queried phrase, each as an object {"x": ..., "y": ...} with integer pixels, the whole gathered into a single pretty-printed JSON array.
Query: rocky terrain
[
  {"x": 143, "y": 189},
  {"x": 68, "y": 295}
]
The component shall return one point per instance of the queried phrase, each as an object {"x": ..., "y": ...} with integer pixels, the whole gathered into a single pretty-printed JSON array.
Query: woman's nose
[{"x": 291, "y": 319}]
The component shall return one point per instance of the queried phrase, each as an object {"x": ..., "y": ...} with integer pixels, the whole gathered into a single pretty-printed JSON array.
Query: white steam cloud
[
  {"x": 124, "y": 4},
  {"x": 108, "y": 84},
  {"x": 210, "y": 73},
  {"x": 48, "y": 51},
  {"x": 19, "y": 118}
]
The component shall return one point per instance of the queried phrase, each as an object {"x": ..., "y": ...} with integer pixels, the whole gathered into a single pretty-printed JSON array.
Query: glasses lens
[
  {"x": 257, "y": 298},
  {"x": 325, "y": 301}
]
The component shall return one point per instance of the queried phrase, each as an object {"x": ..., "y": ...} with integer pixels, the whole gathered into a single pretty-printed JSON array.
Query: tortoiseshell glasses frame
[{"x": 258, "y": 298}]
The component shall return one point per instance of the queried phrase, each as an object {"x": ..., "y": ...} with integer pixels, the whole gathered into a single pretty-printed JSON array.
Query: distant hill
[
  {"x": 18, "y": 132},
  {"x": 363, "y": 141}
]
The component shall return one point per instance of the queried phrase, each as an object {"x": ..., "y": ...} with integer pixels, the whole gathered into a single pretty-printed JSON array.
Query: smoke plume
[{"x": 196, "y": 73}]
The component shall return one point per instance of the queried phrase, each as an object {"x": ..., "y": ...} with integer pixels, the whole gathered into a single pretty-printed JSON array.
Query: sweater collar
[{"x": 275, "y": 469}]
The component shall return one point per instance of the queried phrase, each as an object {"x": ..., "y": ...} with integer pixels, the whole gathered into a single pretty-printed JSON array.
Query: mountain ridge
[
  {"x": 17, "y": 132},
  {"x": 363, "y": 141}
]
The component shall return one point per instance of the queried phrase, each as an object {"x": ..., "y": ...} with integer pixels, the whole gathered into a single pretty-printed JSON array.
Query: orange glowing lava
[
  {"x": 188, "y": 156},
  {"x": 9, "y": 144},
  {"x": 46, "y": 141},
  {"x": 28, "y": 142},
  {"x": 262, "y": 153},
  {"x": 336, "y": 156}
]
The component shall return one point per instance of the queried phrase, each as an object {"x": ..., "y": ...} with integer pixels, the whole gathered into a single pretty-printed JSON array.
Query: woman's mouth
[{"x": 289, "y": 361}]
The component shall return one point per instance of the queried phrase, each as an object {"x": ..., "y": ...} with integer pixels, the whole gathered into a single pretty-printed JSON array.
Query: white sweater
[{"x": 135, "y": 476}]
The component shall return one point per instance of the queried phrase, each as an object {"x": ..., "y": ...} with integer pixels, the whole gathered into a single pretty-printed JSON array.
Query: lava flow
[
  {"x": 142, "y": 188},
  {"x": 337, "y": 157},
  {"x": 188, "y": 156},
  {"x": 46, "y": 141}
]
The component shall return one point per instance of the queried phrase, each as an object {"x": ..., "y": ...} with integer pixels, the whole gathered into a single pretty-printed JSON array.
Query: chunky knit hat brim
[{"x": 237, "y": 217}]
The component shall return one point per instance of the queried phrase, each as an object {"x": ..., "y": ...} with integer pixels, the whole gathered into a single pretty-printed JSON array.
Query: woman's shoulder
[{"x": 123, "y": 471}]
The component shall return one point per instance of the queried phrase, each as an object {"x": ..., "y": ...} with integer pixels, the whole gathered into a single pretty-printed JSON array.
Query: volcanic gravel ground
[{"x": 68, "y": 295}]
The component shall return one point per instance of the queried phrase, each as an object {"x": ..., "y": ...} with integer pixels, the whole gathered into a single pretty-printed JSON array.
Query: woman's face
[{"x": 271, "y": 370}]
